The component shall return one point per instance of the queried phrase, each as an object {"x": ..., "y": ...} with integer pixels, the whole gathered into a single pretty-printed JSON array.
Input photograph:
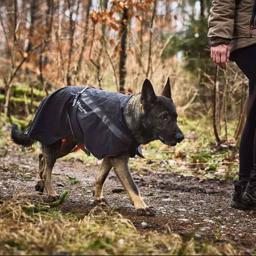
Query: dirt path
[{"x": 185, "y": 205}]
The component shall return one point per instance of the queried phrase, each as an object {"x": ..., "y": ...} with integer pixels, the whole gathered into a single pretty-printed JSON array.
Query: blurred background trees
[{"x": 115, "y": 45}]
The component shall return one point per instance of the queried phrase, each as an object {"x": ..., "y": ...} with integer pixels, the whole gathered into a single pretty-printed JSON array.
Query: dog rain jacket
[{"x": 92, "y": 116}]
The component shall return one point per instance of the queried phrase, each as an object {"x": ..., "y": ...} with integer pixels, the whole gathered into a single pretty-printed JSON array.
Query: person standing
[{"x": 232, "y": 36}]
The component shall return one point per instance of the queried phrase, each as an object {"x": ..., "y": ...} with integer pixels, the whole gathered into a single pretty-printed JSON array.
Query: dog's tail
[{"x": 21, "y": 138}]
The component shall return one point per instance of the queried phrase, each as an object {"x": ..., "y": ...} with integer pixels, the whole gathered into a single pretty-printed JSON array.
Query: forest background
[{"x": 47, "y": 44}]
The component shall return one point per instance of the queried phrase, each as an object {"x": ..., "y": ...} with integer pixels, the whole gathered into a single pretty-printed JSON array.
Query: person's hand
[{"x": 220, "y": 54}]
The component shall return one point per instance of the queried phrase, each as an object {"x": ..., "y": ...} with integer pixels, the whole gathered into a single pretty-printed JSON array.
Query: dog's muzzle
[
  {"x": 173, "y": 142},
  {"x": 179, "y": 137},
  {"x": 168, "y": 142}
]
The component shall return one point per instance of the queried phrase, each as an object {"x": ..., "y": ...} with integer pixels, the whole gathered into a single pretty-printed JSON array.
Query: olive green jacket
[{"x": 229, "y": 22}]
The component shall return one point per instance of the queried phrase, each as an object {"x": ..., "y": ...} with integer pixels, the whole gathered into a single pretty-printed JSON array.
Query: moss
[
  {"x": 21, "y": 89},
  {"x": 22, "y": 123}
]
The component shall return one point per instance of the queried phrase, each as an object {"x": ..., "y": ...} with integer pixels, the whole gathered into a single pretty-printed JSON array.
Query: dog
[{"x": 111, "y": 126}]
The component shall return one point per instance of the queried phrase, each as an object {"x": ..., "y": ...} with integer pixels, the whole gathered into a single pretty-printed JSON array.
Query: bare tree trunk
[
  {"x": 123, "y": 54},
  {"x": 9, "y": 79},
  {"x": 15, "y": 15},
  {"x": 139, "y": 56},
  {"x": 7, "y": 40},
  {"x": 42, "y": 57},
  {"x": 97, "y": 62},
  {"x": 111, "y": 63},
  {"x": 202, "y": 7},
  {"x": 102, "y": 40},
  {"x": 58, "y": 35},
  {"x": 149, "y": 67},
  {"x": 72, "y": 27},
  {"x": 33, "y": 10},
  {"x": 85, "y": 36}
]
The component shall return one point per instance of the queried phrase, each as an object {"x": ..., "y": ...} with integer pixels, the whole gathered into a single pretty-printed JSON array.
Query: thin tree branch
[{"x": 149, "y": 67}]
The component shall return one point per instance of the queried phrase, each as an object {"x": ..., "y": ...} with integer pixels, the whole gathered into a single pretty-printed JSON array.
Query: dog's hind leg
[
  {"x": 40, "y": 184},
  {"x": 57, "y": 150},
  {"x": 121, "y": 169},
  {"x": 101, "y": 177},
  {"x": 50, "y": 154}
]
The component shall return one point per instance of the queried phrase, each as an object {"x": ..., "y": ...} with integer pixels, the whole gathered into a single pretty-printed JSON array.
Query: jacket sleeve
[{"x": 221, "y": 21}]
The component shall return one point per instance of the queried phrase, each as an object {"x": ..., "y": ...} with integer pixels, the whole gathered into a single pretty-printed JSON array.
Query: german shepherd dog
[{"x": 148, "y": 117}]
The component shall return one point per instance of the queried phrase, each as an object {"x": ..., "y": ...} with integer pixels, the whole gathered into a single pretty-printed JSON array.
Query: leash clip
[{"x": 78, "y": 96}]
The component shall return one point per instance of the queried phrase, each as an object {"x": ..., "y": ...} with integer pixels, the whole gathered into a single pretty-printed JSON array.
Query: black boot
[
  {"x": 249, "y": 196},
  {"x": 237, "y": 200}
]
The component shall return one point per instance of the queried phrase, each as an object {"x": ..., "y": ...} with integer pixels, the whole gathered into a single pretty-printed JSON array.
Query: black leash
[{"x": 215, "y": 129}]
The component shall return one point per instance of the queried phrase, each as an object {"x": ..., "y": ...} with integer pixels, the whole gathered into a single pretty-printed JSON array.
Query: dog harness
[{"x": 93, "y": 117}]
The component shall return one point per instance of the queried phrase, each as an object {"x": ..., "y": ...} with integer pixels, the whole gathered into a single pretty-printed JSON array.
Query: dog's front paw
[
  {"x": 101, "y": 202},
  {"x": 39, "y": 186},
  {"x": 148, "y": 211}
]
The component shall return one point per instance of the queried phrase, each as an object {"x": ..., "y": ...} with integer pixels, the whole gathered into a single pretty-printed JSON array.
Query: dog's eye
[{"x": 164, "y": 116}]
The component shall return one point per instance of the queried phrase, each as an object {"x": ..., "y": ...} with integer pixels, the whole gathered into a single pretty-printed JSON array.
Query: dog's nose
[{"x": 179, "y": 137}]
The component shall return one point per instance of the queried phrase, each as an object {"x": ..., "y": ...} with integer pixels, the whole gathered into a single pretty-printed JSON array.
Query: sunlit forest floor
[{"x": 190, "y": 187}]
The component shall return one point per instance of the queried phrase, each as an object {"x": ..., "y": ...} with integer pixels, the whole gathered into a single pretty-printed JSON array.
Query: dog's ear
[
  {"x": 167, "y": 92},
  {"x": 148, "y": 96}
]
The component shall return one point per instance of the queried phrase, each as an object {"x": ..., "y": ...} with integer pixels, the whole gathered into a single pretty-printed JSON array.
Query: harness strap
[
  {"x": 78, "y": 96},
  {"x": 105, "y": 119}
]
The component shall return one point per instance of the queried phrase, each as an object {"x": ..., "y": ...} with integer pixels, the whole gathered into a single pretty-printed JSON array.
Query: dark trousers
[{"x": 245, "y": 58}]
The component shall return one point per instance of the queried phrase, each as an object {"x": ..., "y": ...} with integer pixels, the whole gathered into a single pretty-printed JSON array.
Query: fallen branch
[{"x": 32, "y": 208}]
